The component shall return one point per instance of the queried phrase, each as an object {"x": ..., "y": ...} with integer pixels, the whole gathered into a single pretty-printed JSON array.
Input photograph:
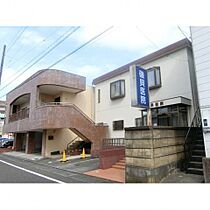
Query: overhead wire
[
  {"x": 16, "y": 38},
  {"x": 83, "y": 45},
  {"x": 183, "y": 33},
  {"x": 28, "y": 51},
  {"x": 157, "y": 47},
  {"x": 41, "y": 57},
  {"x": 69, "y": 54}
]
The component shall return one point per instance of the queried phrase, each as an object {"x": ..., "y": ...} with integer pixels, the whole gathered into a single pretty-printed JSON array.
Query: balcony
[{"x": 22, "y": 114}]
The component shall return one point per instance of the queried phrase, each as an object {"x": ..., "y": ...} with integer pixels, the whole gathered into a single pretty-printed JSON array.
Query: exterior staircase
[
  {"x": 76, "y": 147},
  {"x": 195, "y": 165},
  {"x": 120, "y": 164},
  {"x": 194, "y": 147}
]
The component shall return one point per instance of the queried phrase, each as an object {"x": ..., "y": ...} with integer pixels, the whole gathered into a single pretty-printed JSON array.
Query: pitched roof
[{"x": 146, "y": 59}]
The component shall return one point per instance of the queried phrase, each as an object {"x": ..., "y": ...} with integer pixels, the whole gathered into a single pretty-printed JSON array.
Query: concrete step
[
  {"x": 197, "y": 171},
  {"x": 198, "y": 152},
  {"x": 194, "y": 164},
  {"x": 199, "y": 141},
  {"x": 198, "y": 147},
  {"x": 118, "y": 166},
  {"x": 196, "y": 158},
  {"x": 122, "y": 161}
]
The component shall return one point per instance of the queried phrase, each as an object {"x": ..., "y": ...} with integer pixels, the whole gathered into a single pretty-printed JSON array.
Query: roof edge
[{"x": 146, "y": 59}]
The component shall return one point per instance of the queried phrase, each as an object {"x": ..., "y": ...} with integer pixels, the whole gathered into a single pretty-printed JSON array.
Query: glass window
[
  {"x": 151, "y": 78},
  {"x": 174, "y": 115},
  {"x": 118, "y": 125},
  {"x": 154, "y": 77},
  {"x": 99, "y": 95},
  {"x": 117, "y": 89},
  {"x": 138, "y": 122}
]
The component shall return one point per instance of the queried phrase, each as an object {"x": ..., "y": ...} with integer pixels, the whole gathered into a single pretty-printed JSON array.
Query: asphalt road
[{"x": 14, "y": 170}]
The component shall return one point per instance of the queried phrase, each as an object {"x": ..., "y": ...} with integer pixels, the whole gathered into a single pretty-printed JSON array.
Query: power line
[
  {"x": 183, "y": 33},
  {"x": 83, "y": 45},
  {"x": 46, "y": 53},
  {"x": 74, "y": 51},
  {"x": 156, "y": 46},
  {"x": 66, "y": 34},
  {"x": 28, "y": 51},
  {"x": 16, "y": 38},
  {"x": 153, "y": 43}
]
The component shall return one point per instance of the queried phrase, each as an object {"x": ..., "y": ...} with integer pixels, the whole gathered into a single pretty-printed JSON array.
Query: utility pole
[{"x": 2, "y": 61}]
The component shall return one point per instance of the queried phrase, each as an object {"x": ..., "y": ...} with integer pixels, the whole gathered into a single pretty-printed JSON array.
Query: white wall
[
  {"x": 201, "y": 49},
  {"x": 175, "y": 79}
]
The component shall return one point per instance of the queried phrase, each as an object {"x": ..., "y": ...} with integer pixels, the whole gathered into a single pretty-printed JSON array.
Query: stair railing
[
  {"x": 71, "y": 142},
  {"x": 191, "y": 136},
  {"x": 67, "y": 104}
]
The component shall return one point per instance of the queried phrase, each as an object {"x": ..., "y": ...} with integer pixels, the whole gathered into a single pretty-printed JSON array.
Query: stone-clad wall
[{"x": 152, "y": 153}]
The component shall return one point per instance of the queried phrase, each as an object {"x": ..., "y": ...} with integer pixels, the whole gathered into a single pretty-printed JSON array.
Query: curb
[{"x": 42, "y": 164}]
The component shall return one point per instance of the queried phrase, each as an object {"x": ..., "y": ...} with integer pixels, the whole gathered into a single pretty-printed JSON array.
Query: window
[
  {"x": 175, "y": 115},
  {"x": 154, "y": 77},
  {"x": 118, "y": 125},
  {"x": 117, "y": 89},
  {"x": 138, "y": 122},
  {"x": 99, "y": 96},
  {"x": 141, "y": 121}
]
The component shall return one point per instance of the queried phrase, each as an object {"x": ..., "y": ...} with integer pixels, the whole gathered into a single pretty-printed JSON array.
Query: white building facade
[
  {"x": 201, "y": 50},
  {"x": 172, "y": 89}
]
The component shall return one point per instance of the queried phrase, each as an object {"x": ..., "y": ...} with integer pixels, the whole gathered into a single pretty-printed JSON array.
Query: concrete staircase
[{"x": 120, "y": 164}]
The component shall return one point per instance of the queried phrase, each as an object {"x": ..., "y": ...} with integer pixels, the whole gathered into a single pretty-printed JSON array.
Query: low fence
[
  {"x": 113, "y": 150},
  {"x": 113, "y": 142}
]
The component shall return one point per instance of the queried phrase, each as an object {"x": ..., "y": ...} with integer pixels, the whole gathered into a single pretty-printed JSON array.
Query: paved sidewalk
[
  {"x": 73, "y": 163},
  {"x": 181, "y": 177},
  {"x": 88, "y": 166},
  {"x": 113, "y": 174}
]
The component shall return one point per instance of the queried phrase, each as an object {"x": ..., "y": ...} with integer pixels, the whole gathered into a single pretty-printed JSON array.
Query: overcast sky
[{"x": 118, "y": 46}]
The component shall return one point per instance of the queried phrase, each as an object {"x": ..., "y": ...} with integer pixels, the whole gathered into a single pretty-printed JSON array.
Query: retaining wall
[{"x": 153, "y": 153}]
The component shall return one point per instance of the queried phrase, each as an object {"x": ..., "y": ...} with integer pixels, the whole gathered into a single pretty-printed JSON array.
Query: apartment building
[
  {"x": 201, "y": 48},
  {"x": 48, "y": 110},
  {"x": 172, "y": 90}
]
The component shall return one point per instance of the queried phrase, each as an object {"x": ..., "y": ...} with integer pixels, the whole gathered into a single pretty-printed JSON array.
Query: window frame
[
  {"x": 121, "y": 95},
  {"x": 155, "y": 69},
  {"x": 99, "y": 96},
  {"x": 114, "y": 126}
]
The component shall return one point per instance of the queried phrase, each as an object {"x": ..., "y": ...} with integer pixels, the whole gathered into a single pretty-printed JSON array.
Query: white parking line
[{"x": 32, "y": 172}]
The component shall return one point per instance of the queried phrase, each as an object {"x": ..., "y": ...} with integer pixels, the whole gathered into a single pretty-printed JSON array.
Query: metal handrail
[
  {"x": 71, "y": 142},
  {"x": 196, "y": 123},
  {"x": 195, "y": 118}
]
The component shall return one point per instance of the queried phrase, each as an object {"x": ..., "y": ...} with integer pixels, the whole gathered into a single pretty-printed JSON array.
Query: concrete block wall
[{"x": 152, "y": 153}]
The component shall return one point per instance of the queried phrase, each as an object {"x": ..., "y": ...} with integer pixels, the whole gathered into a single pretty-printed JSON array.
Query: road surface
[{"x": 14, "y": 170}]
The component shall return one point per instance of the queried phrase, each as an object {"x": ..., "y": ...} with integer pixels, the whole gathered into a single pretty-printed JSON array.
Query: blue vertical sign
[{"x": 142, "y": 87}]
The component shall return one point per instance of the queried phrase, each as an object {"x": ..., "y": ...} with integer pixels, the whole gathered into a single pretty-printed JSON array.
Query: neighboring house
[
  {"x": 172, "y": 89},
  {"x": 201, "y": 49},
  {"x": 2, "y": 115},
  {"x": 48, "y": 110}
]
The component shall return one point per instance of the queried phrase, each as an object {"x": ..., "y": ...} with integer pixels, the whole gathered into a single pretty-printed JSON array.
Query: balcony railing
[
  {"x": 22, "y": 114},
  {"x": 113, "y": 142}
]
